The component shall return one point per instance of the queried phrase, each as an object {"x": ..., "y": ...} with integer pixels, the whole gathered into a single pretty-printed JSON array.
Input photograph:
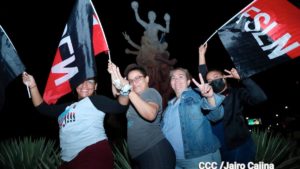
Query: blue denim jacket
[{"x": 198, "y": 139}]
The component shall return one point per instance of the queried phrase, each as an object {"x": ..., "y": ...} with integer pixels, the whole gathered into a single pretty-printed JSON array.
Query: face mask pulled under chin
[{"x": 218, "y": 85}]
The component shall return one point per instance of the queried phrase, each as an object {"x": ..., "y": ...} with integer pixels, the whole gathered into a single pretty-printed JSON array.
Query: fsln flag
[
  {"x": 263, "y": 35},
  {"x": 10, "y": 64},
  {"x": 82, "y": 39}
]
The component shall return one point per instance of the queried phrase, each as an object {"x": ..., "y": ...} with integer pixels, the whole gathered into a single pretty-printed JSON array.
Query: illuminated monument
[{"x": 152, "y": 52}]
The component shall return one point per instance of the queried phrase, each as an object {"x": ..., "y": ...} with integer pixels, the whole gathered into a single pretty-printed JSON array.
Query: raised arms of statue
[
  {"x": 128, "y": 51},
  {"x": 127, "y": 37},
  {"x": 151, "y": 29}
]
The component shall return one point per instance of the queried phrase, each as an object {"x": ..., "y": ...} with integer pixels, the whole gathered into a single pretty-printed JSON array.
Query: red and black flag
[
  {"x": 10, "y": 64},
  {"x": 74, "y": 61},
  {"x": 263, "y": 35}
]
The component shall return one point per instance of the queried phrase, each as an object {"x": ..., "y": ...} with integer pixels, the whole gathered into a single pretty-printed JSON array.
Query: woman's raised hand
[
  {"x": 28, "y": 80},
  {"x": 205, "y": 88}
]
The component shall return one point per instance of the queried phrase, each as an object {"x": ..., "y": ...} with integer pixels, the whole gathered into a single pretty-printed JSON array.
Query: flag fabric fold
[
  {"x": 10, "y": 64},
  {"x": 82, "y": 39},
  {"x": 263, "y": 35}
]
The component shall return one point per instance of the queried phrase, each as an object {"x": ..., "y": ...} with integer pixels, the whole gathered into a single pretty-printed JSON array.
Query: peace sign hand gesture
[
  {"x": 232, "y": 74},
  {"x": 205, "y": 88}
]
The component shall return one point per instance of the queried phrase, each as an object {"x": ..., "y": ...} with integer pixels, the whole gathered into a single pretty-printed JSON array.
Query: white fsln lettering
[
  {"x": 61, "y": 67},
  {"x": 257, "y": 23},
  {"x": 264, "y": 32},
  {"x": 246, "y": 14},
  {"x": 67, "y": 40},
  {"x": 265, "y": 18},
  {"x": 279, "y": 43}
]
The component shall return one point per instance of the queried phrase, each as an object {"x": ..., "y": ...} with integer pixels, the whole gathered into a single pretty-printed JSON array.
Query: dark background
[{"x": 35, "y": 29}]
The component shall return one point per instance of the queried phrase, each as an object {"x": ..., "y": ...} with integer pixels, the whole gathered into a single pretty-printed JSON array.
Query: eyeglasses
[{"x": 135, "y": 80}]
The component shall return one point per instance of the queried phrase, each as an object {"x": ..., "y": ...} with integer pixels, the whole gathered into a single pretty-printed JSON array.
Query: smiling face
[
  {"x": 138, "y": 81},
  {"x": 86, "y": 89},
  {"x": 180, "y": 80}
]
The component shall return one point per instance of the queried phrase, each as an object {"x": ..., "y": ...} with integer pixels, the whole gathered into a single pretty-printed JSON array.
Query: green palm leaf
[
  {"x": 28, "y": 153},
  {"x": 274, "y": 148}
]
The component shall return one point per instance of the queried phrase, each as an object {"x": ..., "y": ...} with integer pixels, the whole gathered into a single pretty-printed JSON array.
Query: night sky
[{"x": 35, "y": 31}]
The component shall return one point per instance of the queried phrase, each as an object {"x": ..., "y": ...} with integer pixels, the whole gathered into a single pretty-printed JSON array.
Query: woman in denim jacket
[{"x": 186, "y": 126}]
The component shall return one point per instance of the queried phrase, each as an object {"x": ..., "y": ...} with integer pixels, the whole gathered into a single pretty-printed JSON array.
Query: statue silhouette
[
  {"x": 152, "y": 52},
  {"x": 151, "y": 29}
]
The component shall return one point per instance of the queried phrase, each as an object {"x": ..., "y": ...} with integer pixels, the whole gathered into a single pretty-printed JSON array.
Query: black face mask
[{"x": 218, "y": 85}]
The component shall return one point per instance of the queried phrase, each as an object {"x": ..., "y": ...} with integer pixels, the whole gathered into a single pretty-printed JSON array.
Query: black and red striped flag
[
  {"x": 82, "y": 39},
  {"x": 10, "y": 64},
  {"x": 265, "y": 34}
]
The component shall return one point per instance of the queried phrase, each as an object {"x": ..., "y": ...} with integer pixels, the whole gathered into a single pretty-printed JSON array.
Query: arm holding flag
[
  {"x": 202, "y": 61},
  {"x": 202, "y": 51},
  {"x": 37, "y": 100},
  {"x": 120, "y": 86},
  {"x": 29, "y": 81}
]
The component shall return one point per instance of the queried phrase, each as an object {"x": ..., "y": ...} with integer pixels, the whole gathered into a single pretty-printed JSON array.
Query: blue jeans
[{"x": 194, "y": 162}]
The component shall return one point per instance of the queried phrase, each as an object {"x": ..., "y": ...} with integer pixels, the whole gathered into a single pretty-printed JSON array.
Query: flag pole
[
  {"x": 29, "y": 95},
  {"x": 8, "y": 37},
  {"x": 229, "y": 21},
  {"x": 27, "y": 87},
  {"x": 109, "y": 58}
]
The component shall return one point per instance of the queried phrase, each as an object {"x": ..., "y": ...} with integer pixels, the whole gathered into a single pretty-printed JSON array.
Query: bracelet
[
  {"x": 117, "y": 83},
  {"x": 125, "y": 90},
  {"x": 32, "y": 87}
]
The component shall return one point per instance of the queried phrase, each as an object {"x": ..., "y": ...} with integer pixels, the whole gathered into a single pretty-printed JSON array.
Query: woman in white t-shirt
[{"x": 83, "y": 141}]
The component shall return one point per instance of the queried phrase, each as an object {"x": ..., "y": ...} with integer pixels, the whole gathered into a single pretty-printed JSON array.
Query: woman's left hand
[{"x": 117, "y": 79}]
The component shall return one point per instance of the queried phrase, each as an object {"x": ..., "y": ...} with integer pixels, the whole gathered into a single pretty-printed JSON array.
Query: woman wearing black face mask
[
  {"x": 218, "y": 85},
  {"x": 236, "y": 142}
]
